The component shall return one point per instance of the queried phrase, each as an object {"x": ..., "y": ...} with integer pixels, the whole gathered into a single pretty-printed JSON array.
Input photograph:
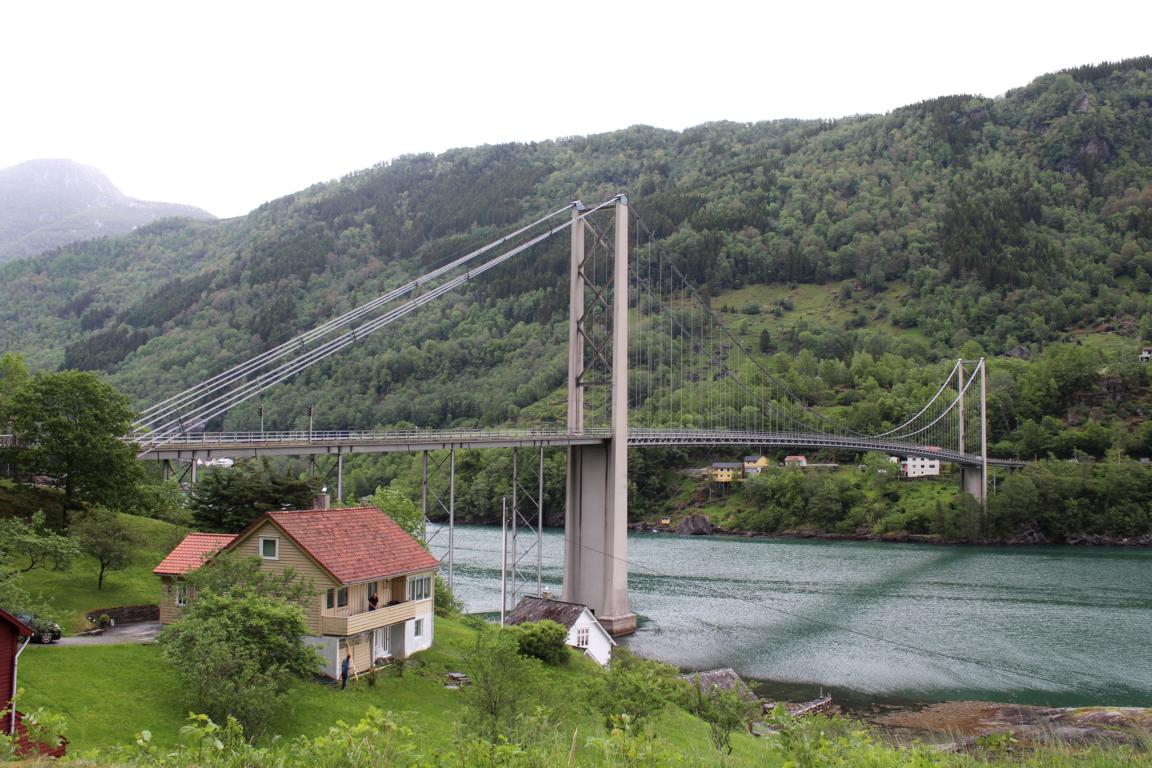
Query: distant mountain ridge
[{"x": 45, "y": 204}]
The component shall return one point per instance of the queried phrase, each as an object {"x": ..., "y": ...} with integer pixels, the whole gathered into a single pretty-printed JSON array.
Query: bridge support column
[
  {"x": 596, "y": 534},
  {"x": 596, "y": 505},
  {"x": 972, "y": 481}
]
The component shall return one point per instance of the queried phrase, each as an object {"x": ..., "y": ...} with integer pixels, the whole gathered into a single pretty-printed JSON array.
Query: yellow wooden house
[{"x": 374, "y": 581}]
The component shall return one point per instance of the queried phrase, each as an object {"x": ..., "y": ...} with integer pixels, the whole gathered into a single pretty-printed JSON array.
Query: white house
[
  {"x": 917, "y": 466},
  {"x": 584, "y": 632}
]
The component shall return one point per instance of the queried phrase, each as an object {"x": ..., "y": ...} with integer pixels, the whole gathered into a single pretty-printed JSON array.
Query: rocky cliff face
[{"x": 45, "y": 204}]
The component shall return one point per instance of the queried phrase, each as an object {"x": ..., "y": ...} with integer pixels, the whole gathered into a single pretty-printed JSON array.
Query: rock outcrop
[{"x": 695, "y": 525}]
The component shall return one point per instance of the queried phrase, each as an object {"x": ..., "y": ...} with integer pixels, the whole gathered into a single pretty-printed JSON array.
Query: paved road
[{"x": 140, "y": 632}]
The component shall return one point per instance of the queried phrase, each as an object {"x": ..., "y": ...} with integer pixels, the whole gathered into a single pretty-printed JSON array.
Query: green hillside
[{"x": 858, "y": 256}]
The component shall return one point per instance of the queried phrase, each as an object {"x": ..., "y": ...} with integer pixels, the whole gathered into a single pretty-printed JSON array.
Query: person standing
[{"x": 345, "y": 669}]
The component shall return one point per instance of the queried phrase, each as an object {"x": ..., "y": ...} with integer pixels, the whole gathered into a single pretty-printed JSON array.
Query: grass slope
[
  {"x": 73, "y": 594},
  {"x": 109, "y": 693}
]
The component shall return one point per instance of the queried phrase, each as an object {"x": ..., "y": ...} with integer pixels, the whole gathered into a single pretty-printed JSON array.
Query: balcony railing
[{"x": 332, "y": 623}]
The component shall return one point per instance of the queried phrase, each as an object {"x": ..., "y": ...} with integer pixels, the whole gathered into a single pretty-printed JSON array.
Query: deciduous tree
[
  {"x": 73, "y": 425},
  {"x": 102, "y": 534},
  {"x": 238, "y": 656}
]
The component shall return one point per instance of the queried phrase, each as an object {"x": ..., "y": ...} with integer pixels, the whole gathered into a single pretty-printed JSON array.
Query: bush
[
  {"x": 444, "y": 599},
  {"x": 636, "y": 687},
  {"x": 545, "y": 640},
  {"x": 503, "y": 692}
]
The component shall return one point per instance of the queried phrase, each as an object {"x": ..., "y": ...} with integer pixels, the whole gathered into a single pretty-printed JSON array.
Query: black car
[{"x": 43, "y": 630}]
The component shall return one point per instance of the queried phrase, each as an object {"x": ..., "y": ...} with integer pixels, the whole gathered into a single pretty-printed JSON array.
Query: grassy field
[
  {"x": 73, "y": 595},
  {"x": 109, "y": 693}
]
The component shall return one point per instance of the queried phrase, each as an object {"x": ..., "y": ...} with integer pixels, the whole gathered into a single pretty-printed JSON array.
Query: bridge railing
[{"x": 344, "y": 435}]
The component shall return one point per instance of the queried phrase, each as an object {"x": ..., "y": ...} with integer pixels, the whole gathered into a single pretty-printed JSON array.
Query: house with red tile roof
[
  {"x": 374, "y": 581},
  {"x": 191, "y": 553}
]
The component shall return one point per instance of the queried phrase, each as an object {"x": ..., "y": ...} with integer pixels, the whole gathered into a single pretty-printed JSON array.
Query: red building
[{"x": 11, "y": 630}]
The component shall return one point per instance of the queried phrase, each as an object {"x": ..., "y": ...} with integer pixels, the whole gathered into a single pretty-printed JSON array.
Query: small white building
[
  {"x": 917, "y": 466},
  {"x": 585, "y": 633}
]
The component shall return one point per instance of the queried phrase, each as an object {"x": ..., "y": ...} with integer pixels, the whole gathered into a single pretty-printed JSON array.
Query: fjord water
[{"x": 1058, "y": 626}]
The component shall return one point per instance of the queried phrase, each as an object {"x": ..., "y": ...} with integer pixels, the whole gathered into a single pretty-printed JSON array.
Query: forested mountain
[
  {"x": 45, "y": 204},
  {"x": 853, "y": 253}
]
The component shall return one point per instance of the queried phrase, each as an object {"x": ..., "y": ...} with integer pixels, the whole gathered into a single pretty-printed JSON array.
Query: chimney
[
  {"x": 322, "y": 500},
  {"x": 546, "y": 594}
]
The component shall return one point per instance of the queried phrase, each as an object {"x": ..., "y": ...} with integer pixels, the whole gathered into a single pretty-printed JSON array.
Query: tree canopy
[
  {"x": 228, "y": 500},
  {"x": 72, "y": 425}
]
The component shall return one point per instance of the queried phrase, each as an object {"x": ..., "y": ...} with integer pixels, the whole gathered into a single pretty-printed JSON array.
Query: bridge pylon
[
  {"x": 974, "y": 479},
  {"x": 596, "y": 503}
]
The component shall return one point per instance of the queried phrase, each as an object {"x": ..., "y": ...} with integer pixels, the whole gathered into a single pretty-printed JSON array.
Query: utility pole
[{"x": 503, "y": 558}]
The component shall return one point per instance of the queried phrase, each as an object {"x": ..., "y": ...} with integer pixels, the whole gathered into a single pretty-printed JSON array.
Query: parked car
[{"x": 43, "y": 630}]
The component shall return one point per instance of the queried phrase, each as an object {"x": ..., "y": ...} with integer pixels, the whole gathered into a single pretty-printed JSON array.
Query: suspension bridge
[{"x": 649, "y": 364}]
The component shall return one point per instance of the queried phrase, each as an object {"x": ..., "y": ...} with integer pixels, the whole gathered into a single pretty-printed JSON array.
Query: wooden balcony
[{"x": 354, "y": 623}]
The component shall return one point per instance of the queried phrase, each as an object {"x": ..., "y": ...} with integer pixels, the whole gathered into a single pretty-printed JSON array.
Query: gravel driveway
[{"x": 139, "y": 632}]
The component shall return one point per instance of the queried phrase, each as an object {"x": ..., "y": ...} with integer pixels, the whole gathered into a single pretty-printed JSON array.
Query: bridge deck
[{"x": 208, "y": 445}]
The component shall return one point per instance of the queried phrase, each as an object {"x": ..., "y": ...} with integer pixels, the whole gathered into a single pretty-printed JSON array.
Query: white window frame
[
  {"x": 276, "y": 543},
  {"x": 181, "y": 594},
  {"x": 582, "y": 636},
  {"x": 418, "y": 628},
  {"x": 419, "y": 587}
]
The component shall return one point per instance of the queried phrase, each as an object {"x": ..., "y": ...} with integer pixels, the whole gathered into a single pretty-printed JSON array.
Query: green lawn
[
  {"x": 72, "y": 593},
  {"x": 109, "y": 693}
]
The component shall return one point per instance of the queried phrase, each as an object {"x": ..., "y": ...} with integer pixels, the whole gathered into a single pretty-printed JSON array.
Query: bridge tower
[
  {"x": 596, "y": 504},
  {"x": 974, "y": 479}
]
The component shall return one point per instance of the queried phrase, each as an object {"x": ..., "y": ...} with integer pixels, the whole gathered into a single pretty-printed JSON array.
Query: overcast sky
[{"x": 226, "y": 105}]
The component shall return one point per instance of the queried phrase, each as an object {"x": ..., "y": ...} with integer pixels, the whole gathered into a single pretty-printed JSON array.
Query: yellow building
[
  {"x": 725, "y": 471},
  {"x": 754, "y": 465}
]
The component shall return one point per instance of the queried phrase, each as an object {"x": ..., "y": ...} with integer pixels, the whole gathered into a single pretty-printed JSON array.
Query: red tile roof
[
  {"x": 359, "y": 544},
  {"x": 191, "y": 553}
]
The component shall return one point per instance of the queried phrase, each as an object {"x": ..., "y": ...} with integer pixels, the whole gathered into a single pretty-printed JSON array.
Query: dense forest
[{"x": 858, "y": 256}]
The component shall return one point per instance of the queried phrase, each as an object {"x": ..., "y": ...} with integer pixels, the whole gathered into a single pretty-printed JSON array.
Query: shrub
[{"x": 544, "y": 640}]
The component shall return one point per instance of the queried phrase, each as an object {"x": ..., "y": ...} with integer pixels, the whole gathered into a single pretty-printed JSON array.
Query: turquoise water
[{"x": 1058, "y": 626}]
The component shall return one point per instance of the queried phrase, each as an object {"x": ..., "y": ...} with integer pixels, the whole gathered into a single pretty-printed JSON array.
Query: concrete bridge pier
[
  {"x": 596, "y": 534},
  {"x": 973, "y": 481}
]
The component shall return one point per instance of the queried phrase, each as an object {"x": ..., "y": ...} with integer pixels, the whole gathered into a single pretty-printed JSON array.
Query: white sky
[{"x": 226, "y": 105}]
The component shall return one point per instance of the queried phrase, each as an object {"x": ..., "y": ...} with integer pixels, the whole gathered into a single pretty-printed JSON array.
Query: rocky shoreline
[
  {"x": 962, "y": 722},
  {"x": 700, "y": 525}
]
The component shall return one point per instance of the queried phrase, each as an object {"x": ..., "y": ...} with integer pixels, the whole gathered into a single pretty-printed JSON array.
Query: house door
[{"x": 381, "y": 642}]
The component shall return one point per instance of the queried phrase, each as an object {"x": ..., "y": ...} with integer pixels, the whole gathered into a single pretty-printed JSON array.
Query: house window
[
  {"x": 330, "y": 599},
  {"x": 418, "y": 628},
  {"x": 419, "y": 587},
  {"x": 181, "y": 594},
  {"x": 270, "y": 549},
  {"x": 342, "y": 597},
  {"x": 582, "y": 637}
]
